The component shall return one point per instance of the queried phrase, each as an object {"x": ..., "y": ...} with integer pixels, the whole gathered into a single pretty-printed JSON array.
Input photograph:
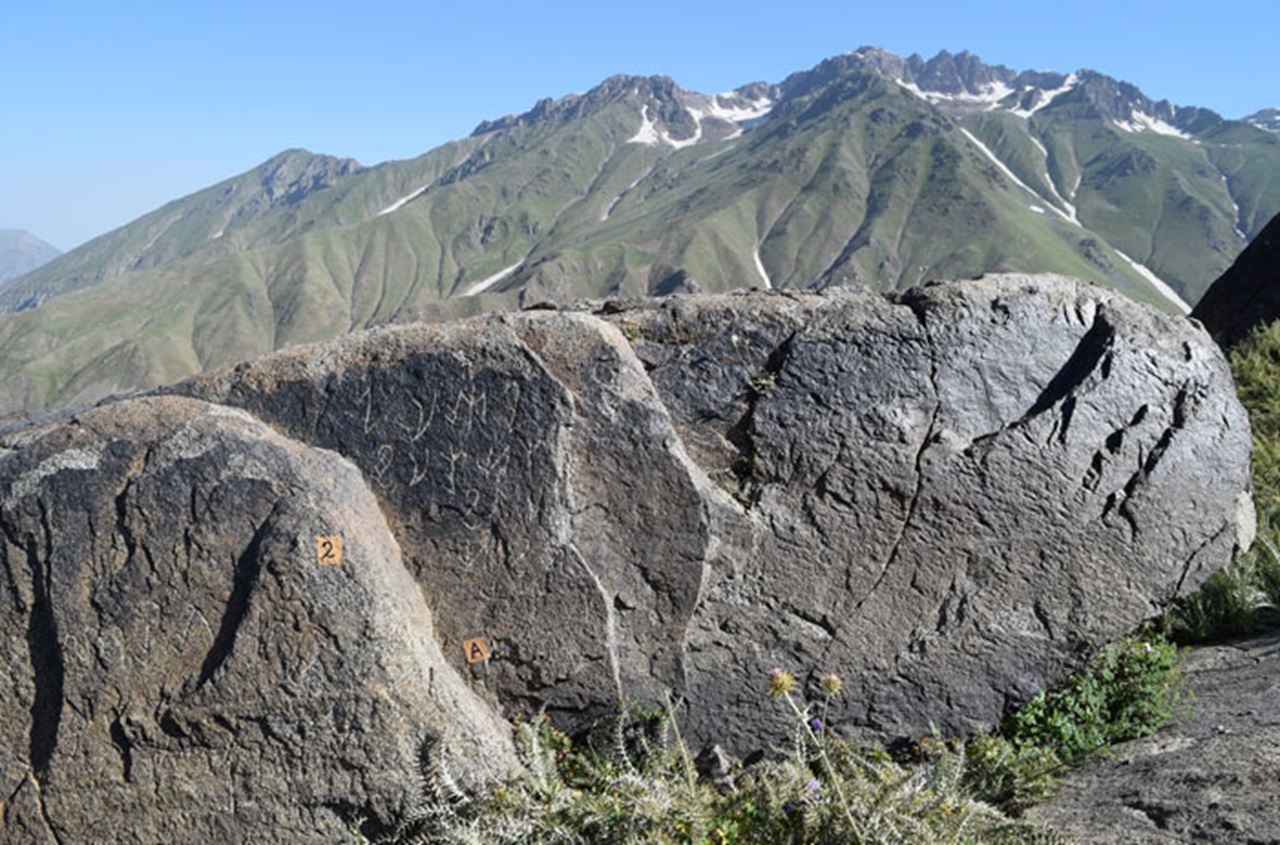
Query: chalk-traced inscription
[{"x": 443, "y": 436}]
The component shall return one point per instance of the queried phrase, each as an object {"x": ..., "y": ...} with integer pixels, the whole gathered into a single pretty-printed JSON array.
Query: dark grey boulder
[
  {"x": 180, "y": 668},
  {"x": 1248, "y": 293},
  {"x": 952, "y": 496},
  {"x": 957, "y": 494},
  {"x": 1212, "y": 778}
]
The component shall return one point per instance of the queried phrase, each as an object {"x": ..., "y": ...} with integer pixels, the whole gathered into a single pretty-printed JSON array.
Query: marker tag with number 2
[{"x": 329, "y": 550}]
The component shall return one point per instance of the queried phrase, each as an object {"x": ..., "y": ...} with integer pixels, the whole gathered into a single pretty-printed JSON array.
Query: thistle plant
[
  {"x": 831, "y": 790},
  {"x": 809, "y": 730}
]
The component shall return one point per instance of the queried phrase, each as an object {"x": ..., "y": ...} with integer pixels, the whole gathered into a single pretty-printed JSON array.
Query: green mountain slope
[{"x": 867, "y": 169}]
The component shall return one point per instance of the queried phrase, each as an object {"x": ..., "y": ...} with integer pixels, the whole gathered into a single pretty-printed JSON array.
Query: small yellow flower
[
  {"x": 831, "y": 684},
  {"x": 781, "y": 682}
]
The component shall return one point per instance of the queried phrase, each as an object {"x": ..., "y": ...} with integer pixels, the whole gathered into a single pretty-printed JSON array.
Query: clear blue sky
[{"x": 111, "y": 109}]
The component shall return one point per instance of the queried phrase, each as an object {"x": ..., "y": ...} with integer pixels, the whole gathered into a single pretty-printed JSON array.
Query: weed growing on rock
[
  {"x": 763, "y": 382},
  {"x": 1128, "y": 691}
]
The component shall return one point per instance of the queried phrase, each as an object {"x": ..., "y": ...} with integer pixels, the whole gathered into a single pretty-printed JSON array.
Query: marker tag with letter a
[{"x": 476, "y": 649}]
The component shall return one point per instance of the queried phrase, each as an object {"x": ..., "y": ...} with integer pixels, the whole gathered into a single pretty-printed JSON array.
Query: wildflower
[
  {"x": 781, "y": 682},
  {"x": 816, "y": 724},
  {"x": 788, "y": 808},
  {"x": 831, "y": 684},
  {"x": 814, "y": 785}
]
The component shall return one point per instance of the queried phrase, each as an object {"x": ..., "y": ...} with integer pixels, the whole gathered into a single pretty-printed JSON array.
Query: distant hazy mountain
[
  {"x": 868, "y": 168},
  {"x": 21, "y": 251}
]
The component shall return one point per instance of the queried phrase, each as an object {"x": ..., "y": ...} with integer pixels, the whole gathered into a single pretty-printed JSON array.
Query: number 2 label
[{"x": 329, "y": 550}]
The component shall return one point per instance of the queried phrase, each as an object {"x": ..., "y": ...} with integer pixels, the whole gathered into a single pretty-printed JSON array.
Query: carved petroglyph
[{"x": 437, "y": 441}]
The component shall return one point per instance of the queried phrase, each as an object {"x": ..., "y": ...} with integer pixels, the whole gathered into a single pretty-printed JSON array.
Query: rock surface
[
  {"x": 179, "y": 668},
  {"x": 952, "y": 496},
  {"x": 1214, "y": 778},
  {"x": 1248, "y": 294}
]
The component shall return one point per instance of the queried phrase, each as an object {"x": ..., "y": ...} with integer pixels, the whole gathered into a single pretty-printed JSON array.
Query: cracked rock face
[
  {"x": 951, "y": 497},
  {"x": 955, "y": 495},
  {"x": 179, "y": 668}
]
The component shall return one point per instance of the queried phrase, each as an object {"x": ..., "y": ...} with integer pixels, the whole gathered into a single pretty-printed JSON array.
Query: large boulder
[
  {"x": 179, "y": 667},
  {"x": 952, "y": 496},
  {"x": 1248, "y": 293}
]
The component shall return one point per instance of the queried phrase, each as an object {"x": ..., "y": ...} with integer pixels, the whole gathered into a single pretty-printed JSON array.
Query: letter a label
[{"x": 476, "y": 650}]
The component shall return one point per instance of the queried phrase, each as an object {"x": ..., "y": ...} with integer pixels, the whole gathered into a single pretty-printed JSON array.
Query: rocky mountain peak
[
  {"x": 957, "y": 83},
  {"x": 1127, "y": 108},
  {"x": 961, "y": 83},
  {"x": 293, "y": 174},
  {"x": 960, "y": 73},
  {"x": 669, "y": 115},
  {"x": 659, "y": 89},
  {"x": 1268, "y": 119}
]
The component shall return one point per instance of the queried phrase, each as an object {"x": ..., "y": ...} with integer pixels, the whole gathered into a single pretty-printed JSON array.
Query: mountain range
[
  {"x": 22, "y": 252},
  {"x": 868, "y": 169}
]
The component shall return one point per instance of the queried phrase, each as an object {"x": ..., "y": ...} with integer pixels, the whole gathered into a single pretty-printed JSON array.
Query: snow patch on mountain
[
  {"x": 404, "y": 199},
  {"x": 484, "y": 284},
  {"x": 648, "y": 132},
  {"x": 764, "y": 275},
  {"x": 1268, "y": 120},
  {"x": 739, "y": 114},
  {"x": 1071, "y": 209},
  {"x": 609, "y": 211},
  {"x": 1235, "y": 224},
  {"x": 1142, "y": 122},
  {"x": 1044, "y": 98},
  {"x": 729, "y": 108},
  {"x": 1158, "y": 283},
  {"x": 989, "y": 94},
  {"x": 1013, "y": 177}
]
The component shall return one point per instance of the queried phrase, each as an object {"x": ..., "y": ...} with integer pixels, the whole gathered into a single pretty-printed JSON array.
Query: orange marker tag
[
  {"x": 476, "y": 650},
  {"x": 329, "y": 550}
]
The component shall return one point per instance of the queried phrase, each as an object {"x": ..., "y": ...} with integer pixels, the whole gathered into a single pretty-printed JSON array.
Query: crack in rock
[{"x": 929, "y": 438}]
